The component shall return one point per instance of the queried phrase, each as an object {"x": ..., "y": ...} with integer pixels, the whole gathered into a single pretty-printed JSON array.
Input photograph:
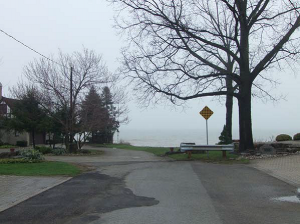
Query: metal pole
[
  {"x": 206, "y": 133},
  {"x": 207, "y": 153},
  {"x": 71, "y": 111}
]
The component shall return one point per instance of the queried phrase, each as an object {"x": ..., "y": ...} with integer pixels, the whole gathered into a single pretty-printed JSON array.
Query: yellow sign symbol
[{"x": 206, "y": 112}]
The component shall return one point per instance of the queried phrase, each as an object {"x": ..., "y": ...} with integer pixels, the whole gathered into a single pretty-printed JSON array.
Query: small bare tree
[
  {"x": 181, "y": 50},
  {"x": 61, "y": 93}
]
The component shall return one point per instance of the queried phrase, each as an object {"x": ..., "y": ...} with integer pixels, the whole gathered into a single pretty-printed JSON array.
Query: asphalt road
[{"x": 141, "y": 191}]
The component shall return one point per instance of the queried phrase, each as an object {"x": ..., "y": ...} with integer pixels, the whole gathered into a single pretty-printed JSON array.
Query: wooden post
[
  {"x": 224, "y": 154},
  {"x": 71, "y": 112},
  {"x": 189, "y": 154}
]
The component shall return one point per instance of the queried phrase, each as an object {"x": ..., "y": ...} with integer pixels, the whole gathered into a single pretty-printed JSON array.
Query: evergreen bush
[
  {"x": 224, "y": 137},
  {"x": 283, "y": 137},
  {"x": 296, "y": 137},
  {"x": 44, "y": 149}
]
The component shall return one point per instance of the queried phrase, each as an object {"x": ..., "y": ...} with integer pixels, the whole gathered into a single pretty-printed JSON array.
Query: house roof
[{"x": 9, "y": 101}]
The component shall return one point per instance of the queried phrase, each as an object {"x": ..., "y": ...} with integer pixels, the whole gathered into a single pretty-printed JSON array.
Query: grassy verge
[
  {"x": 39, "y": 169},
  {"x": 8, "y": 146},
  {"x": 155, "y": 150},
  {"x": 94, "y": 152},
  {"x": 213, "y": 156},
  {"x": 85, "y": 152}
]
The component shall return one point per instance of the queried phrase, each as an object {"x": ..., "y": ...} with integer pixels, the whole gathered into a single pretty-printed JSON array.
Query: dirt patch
[{"x": 84, "y": 168}]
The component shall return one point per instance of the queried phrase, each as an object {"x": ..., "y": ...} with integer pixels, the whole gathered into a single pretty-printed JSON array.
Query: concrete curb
[
  {"x": 5, "y": 207},
  {"x": 271, "y": 173}
]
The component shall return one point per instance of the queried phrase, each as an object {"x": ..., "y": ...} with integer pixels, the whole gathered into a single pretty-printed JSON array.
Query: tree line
[{"x": 73, "y": 98}]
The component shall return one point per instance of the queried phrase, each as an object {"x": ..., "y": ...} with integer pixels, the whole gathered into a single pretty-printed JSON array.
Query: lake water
[{"x": 173, "y": 138}]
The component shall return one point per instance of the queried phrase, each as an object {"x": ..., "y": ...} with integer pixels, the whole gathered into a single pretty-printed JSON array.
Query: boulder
[{"x": 267, "y": 149}]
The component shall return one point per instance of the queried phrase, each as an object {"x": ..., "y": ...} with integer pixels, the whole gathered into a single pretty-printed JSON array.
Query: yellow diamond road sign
[{"x": 206, "y": 112}]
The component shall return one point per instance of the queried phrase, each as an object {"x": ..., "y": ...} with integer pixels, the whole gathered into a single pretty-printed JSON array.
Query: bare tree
[
  {"x": 53, "y": 79},
  {"x": 223, "y": 25},
  {"x": 177, "y": 53},
  {"x": 120, "y": 100}
]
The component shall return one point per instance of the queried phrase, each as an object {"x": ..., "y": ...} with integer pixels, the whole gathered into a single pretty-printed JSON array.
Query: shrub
[
  {"x": 224, "y": 137},
  {"x": 296, "y": 137},
  {"x": 21, "y": 143},
  {"x": 31, "y": 154},
  {"x": 44, "y": 149},
  {"x": 59, "y": 151},
  {"x": 283, "y": 137}
]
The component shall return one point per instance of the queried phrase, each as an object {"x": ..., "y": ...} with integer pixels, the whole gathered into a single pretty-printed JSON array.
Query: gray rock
[
  {"x": 245, "y": 154},
  {"x": 267, "y": 149}
]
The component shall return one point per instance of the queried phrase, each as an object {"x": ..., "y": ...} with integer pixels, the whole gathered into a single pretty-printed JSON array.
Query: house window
[{"x": 17, "y": 134}]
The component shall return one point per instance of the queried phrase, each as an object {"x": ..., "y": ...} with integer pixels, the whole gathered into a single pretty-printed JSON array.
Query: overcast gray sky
[{"x": 68, "y": 25}]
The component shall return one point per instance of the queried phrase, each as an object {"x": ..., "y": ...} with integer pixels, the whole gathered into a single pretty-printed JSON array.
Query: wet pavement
[
  {"x": 130, "y": 187},
  {"x": 15, "y": 189},
  {"x": 286, "y": 168}
]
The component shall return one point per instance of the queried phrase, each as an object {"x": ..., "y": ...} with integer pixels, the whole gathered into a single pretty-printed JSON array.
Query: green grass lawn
[
  {"x": 155, "y": 150},
  {"x": 214, "y": 156},
  {"x": 8, "y": 146},
  {"x": 89, "y": 152},
  {"x": 39, "y": 169},
  {"x": 94, "y": 152}
]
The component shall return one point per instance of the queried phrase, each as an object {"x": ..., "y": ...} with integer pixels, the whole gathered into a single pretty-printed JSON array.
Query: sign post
[
  {"x": 206, "y": 133},
  {"x": 206, "y": 113}
]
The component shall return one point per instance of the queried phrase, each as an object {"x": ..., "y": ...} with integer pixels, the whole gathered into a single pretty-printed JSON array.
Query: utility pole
[
  {"x": 71, "y": 111},
  {"x": 118, "y": 132}
]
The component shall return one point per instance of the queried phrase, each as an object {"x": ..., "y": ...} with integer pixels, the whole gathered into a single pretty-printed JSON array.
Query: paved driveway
[
  {"x": 137, "y": 188},
  {"x": 195, "y": 192},
  {"x": 15, "y": 189},
  {"x": 286, "y": 168}
]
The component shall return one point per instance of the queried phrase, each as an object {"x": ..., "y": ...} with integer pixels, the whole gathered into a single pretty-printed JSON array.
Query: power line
[
  {"x": 71, "y": 88},
  {"x": 30, "y": 48},
  {"x": 35, "y": 51}
]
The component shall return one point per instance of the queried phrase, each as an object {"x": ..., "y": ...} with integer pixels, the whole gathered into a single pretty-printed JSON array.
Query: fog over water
[{"x": 173, "y": 138}]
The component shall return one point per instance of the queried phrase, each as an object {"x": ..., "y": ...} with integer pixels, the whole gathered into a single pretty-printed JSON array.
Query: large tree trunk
[
  {"x": 245, "y": 123},
  {"x": 33, "y": 138},
  {"x": 244, "y": 99},
  {"x": 229, "y": 105},
  {"x": 67, "y": 141},
  {"x": 72, "y": 144}
]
